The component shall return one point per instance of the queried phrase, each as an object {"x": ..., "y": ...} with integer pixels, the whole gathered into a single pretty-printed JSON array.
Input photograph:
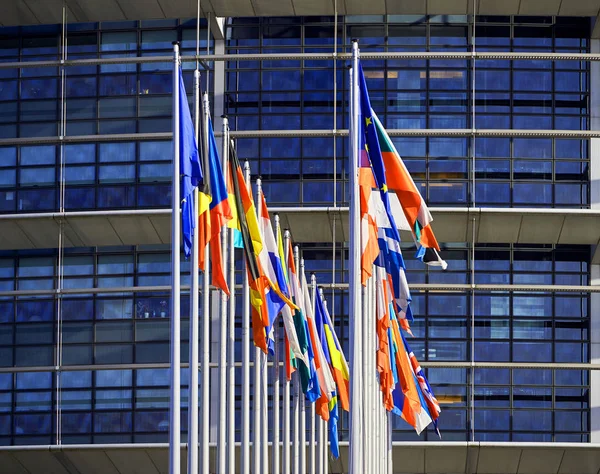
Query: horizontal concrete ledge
[
  {"x": 407, "y": 457},
  {"x": 306, "y": 224}
]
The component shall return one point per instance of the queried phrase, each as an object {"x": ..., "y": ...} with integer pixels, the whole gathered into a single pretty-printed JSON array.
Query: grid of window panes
[
  {"x": 133, "y": 328},
  {"x": 106, "y": 99},
  {"x": 417, "y": 94}
]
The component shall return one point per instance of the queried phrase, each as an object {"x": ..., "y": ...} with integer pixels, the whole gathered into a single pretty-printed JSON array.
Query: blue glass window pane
[
  {"x": 79, "y": 109},
  {"x": 81, "y": 86},
  {"x": 530, "y": 420},
  {"x": 8, "y": 156},
  {"x": 112, "y": 422},
  {"x": 532, "y": 80},
  {"x": 8, "y": 90},
  {"x": 34, "y": 380},
  {"x": 34, "y": 311},
  {"x": 124, "y": 84},
  {"x": 38, "y": 110},
  {"x": 532, "y": 193},
  {"x": 80, "y": 153},
  {"x": 117, "y": 108},
  {"x": 36, "y": 176},
  {"x": 38, "y": 155},
  {"x": 281, "y": 80},
  {"x": 37, "y": 200},
  {"x": 117, "y": 152},
  {"x": 33, "y": 424},
  {"x": 156, "y": 84},
  {"x": 125, "y": 41},
  {"x": 158, "y": 39},
  {"x": 77, "y": 309},
  {"x": 79, "y": 198},
  {"x": 116, "y": 173},
  {"x": 38, "y": 88},
  {"x": 156, "y": 151},
  {"x": 114, "y": 309},
  {"x": 8, "y": 178},
  {"x": 116, "y": 196},
  {"x": 532, "y": 351}
]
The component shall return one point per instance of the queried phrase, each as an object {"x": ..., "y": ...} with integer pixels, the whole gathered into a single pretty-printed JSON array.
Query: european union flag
[{"x": 189, "y": 167}]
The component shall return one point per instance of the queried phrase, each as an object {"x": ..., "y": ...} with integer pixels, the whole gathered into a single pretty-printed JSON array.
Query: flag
[
  {"x": 308, "y": 376},
  {"x": 293, "y": 350},
  {"x": 416, "y": 212},
  {"x": 277, "y": 294},
  {"x": 189, "y": 167},
  {"x": 432, "y": 404},
  {"x": 385, "y": 364},
  {"x": 334, "y": 442},
  {"x": 326, "y": 381},
  {"x": 234, "y": 223},
  {"x": 216, "y": 215},
  {"x": 333, "y": 353},
  {"x": 252, "y": 247},
  {"x": 408, "y": 400}
]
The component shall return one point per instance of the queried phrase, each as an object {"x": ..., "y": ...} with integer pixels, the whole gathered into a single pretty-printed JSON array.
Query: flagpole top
[
  {"x": 224, "y": 116},
  {"x": 355, "y": 40},
  {"x": 175, "y": 43}
]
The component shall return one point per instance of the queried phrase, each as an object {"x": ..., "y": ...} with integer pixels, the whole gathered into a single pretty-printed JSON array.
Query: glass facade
[{"x": 122, "y": 321}]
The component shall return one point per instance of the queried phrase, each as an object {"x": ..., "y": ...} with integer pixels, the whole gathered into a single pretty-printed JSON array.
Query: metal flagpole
[
  {"x": 356, "y": 355},
  {"x": 276, "y": 384},
  {"x": 368, "y": 378},
  {"x": 316, "y": 448},
  {"x": 285, "y": 455},
  {"x": 222, "y": 426},
  {"x": 264, "y": 403},
  {"x": 297, "y": 397},
  {"x": 302, "y": 397},
  {"x": 193, "y": 370},
  {"x": 174, "y": 409},
  {"x": 257, "y": 440},
  {"x": 324, "y": 440},
  {"x": 390, "y": 464},
  {"x": 205, "y": 438},
  {"x": 231, "y": 338},
  {"x": 245, "y": 448}
]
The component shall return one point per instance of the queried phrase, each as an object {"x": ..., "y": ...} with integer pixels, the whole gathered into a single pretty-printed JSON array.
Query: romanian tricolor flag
[
  {"x": 214, "y": 213},
  {"x": 252, "y": 247}
]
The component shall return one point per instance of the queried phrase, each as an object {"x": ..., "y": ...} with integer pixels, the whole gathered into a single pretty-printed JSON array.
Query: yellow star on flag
[{"x": 369, "y": 121}]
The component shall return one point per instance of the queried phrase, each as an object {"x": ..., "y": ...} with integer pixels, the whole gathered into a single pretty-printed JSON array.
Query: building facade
[{"x": 465, "y": 149}]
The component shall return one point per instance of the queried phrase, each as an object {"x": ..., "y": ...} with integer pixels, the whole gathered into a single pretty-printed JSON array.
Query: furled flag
[
  {"x": 293, "y": 350},
  {"x": 385, "y": 365},
  {"x": 252, "y": 247},
  {"x": 189, "y": 167},
  {"x": 326, "y": 380},
  {"x": 213, "y": 218},
  {"x": 334, "y": 415},
  {"x": 333, "y": 352},
  {"x": 308, "y": 375},
  {"x": 277, "y": 294}
]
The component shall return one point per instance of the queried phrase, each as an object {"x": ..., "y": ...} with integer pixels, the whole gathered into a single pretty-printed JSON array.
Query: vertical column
[{"x": 595, "y": 267}]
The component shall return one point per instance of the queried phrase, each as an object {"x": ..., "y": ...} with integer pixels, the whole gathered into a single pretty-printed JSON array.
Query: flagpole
[
  {"x": 302, "y": 401},
  {"x": 285, "y": 455},
  {"x": 245, "y": 448},
  {"x": 175, "y": 399},
  {"x": 315, "y": 467},
  {"x": 276, "y": 383},
  {"x": 297, "y": 397},
  {"x": 356, "y": 355},
  {"x": 205, "y": 319},
  {"x": 222, "y": 427},
  {"x": 367, "y": 380},
  {"x": 324, "y": 440},
  {"x": 231, "y": 338},
  {"x": 264, "y": 407},
  {"x": 257, "y": 441},
  {"x": 194, "y": 323}
]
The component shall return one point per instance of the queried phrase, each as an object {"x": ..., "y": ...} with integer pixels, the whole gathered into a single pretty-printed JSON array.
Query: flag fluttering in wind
[
  {"x": 189, "y": 168},
  {"x": 215, "y": 212},
  {"x": 253, "y": 245},
  {"x": 277, "y": 293},
  {"x": 333, "y": 352}
]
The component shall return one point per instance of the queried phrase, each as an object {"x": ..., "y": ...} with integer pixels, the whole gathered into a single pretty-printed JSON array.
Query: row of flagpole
[{"x": 386, "y": 378}]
